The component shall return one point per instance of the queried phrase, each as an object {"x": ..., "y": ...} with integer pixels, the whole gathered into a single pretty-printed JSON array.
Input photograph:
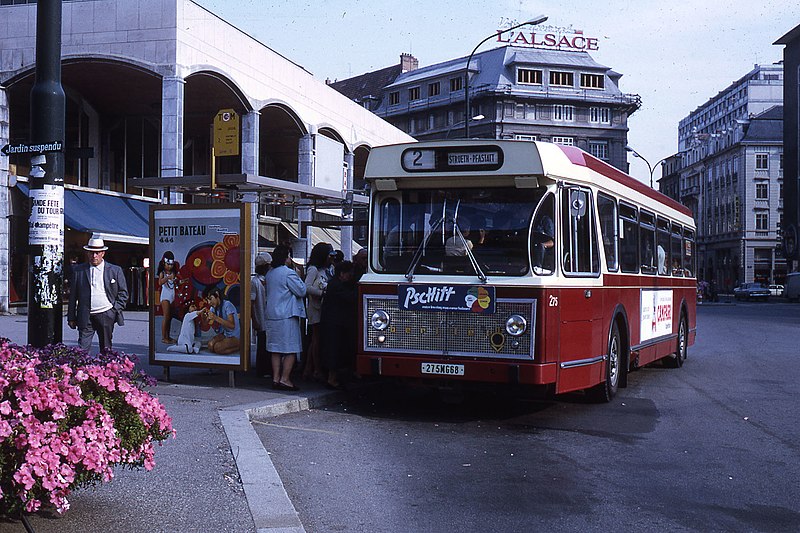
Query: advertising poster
[
  {"x": 656, "y": 316},
  {"x": 199, "y": 286}
]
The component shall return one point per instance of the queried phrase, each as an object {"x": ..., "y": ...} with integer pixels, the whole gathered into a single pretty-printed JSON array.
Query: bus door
[{"x": 580, "y": 300}]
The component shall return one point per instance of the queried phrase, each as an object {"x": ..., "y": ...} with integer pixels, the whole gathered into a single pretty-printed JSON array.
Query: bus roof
[{"x": 479, "y": 157}]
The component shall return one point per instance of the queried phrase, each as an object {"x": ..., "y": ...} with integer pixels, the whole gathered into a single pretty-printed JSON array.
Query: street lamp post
[
  {"x": 532, "y": 22},
  {"x": 651, "y": 168}
]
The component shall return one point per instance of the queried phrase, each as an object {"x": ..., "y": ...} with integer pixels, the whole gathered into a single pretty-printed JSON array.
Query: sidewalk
[{"x": 214, "y": 476}]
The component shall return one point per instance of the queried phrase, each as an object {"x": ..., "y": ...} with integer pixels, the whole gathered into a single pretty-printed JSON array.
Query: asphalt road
[{"x": 713, "y": 446}]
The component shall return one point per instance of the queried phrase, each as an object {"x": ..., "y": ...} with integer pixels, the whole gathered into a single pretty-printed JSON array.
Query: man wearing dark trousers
[{"x": 98, "y": 296}]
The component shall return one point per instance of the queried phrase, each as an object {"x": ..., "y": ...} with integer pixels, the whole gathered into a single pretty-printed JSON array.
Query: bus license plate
[{"x": 442, "y": 369}]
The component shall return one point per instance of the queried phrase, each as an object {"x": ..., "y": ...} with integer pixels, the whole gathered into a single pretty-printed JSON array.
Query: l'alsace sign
[{"x": 549, "y": 37}]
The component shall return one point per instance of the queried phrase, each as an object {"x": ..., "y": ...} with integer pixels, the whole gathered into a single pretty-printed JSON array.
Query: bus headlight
[
  {"x": 379, "y": 320},
  {"x": 516, "y": 325}
]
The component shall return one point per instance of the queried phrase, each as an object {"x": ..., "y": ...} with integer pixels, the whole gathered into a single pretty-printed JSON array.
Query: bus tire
[
  {"x": 605, "y": 391},
  {"x": 681, "y": 348}
]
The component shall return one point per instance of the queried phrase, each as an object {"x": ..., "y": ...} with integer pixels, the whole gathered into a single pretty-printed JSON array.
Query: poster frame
[{"x": 159, "y": 358}]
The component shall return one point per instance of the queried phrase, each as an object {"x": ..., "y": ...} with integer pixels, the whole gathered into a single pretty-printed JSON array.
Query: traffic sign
[
  {"x": 226, "y": 133},
  {"x": 43, "y": 148}
]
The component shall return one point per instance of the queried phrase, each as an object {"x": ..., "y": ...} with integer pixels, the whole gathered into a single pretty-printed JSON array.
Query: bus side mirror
[{"x": 577, "y": 204}]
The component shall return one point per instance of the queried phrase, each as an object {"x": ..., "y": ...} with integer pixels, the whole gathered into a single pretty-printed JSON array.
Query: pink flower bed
[{"x": 67, "y": 419}]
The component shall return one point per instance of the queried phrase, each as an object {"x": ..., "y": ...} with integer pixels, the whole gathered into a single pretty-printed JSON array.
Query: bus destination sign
[
  {"x": 464, "y": 298},
  {"x": 471, "y": 158},
  {"x": 448, "y": 158}
]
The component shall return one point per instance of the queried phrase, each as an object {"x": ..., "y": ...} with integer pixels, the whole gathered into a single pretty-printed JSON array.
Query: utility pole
[{"x": 46, "y": 222}]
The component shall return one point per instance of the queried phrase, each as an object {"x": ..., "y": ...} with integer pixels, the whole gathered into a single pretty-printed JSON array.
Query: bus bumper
[{"x": 524, "y": 373}]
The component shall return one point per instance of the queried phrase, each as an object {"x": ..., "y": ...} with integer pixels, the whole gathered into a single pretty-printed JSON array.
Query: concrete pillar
[
  {"x": 172, "y": 98},
  {"x": 347, "y": 231},
  {"x": 5, "y": 207},
  {"x": 250, "y": 139},
  {"x": 305, "y": 176}
]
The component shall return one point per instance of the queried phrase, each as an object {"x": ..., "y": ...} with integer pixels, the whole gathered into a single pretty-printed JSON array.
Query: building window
[
  {"x": 456, "y": 84},
  {"x": 394, "y": 98},
  {"x": 434, "y": 89},
  {"x": 523, "y": 137},
  {"x": 413, "y": 94},
  {"x": 780, "y": 162},
  {"x": 529, "y": 76},
  {"x": 562, "y": 79},
  {"x": 563, "y": 113},
  {"x": 592, "y": 81},
  {"x": 600, "y": 114},
  {"x": 599, "y": 149},
  {"x": 762, "y": 221},
  {"x": 566, "y": 141},
  {"x": 762, "y": 161},
  {"x": 762, "y": 191}
]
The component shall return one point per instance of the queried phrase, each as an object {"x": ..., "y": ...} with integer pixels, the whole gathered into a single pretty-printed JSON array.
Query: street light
[
  {"x": 532, "y": 22},
  {"x": 649, "y": 167},
  {"x": 472, "y": 119}
]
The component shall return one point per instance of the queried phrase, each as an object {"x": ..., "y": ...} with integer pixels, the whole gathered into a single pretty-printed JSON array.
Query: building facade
[
  {"x": 144, "y": 80},
  {"x": 515, "y": 92},
  {"x": 729, "y": 171},
  {"x": 791, "y": 146}
]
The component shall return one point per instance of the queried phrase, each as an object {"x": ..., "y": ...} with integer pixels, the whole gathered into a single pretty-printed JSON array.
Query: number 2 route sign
[{"x": 226, "y": 133}]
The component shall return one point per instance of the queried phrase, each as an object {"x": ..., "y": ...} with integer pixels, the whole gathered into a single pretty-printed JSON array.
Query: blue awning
[{"x": 113, "y": 218}]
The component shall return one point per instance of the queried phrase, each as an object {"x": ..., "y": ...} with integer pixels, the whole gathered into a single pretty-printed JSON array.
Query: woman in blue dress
[
  {"x": 224, "y": 319},
  {"x": 285, "y": 292}
]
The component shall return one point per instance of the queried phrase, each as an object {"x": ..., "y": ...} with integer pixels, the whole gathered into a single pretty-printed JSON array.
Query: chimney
[{"x": 408, "y": 62}]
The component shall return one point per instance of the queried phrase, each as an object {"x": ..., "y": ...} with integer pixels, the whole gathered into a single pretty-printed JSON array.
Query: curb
[{"x": 270, "y": 506}]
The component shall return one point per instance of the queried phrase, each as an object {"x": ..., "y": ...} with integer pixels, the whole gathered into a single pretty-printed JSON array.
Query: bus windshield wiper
[
  {"x": 474, "y": 262},
  {"x": 418, "y": 254}
]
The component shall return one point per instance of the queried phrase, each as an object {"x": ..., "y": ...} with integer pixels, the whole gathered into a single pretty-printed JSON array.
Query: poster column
[{"x": 46, "y": 220}]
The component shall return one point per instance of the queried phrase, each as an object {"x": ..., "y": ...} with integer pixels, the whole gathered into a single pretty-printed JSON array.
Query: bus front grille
[{"x": 449, "y": 333}]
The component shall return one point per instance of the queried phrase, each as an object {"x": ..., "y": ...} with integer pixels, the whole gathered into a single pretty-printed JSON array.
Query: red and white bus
[{"x": 514, "y": 262}]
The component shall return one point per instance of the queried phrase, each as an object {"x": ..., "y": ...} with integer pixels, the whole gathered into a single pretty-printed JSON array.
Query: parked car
[
  {"x": 792, "y": 290},
  {"x": 776, "y": 290},
  {"x": 751, "y": 291}
]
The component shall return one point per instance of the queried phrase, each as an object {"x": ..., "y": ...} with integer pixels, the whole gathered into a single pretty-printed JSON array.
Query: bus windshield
[{"x": 445, "y": 229}]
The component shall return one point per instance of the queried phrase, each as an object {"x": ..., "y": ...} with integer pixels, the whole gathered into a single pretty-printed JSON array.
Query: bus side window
[
  {"x": 677, "y": 254},
  {"x": 663, "y": 248},
  {"x": 647, "y": 240},
  {"x": 580, "y": 253},
  {"x": 628, "y": 238},
  {"x": 607, "y": 212},
  {"x": 689, "y": 256}
]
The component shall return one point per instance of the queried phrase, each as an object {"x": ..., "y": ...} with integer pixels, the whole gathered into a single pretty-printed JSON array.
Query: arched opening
[
  {"x": 280, "y": 131},
  {"x": 205, "y": 94},
  {"x": 111, "y": 135}
]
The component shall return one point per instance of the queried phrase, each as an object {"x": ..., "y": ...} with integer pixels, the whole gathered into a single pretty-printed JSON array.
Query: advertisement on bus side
[{"x": 656, "y": 314}]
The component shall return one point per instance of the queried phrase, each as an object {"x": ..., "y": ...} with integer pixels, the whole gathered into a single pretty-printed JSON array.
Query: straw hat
[{"x": 96, "y": 244}]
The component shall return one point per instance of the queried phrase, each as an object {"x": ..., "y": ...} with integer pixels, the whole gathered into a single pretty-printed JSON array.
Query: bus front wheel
[{"x": 605, "y": 391}]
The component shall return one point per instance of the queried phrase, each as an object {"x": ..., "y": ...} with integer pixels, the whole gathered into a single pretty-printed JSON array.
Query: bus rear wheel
[
  {"x": 605, "y": 391},
  {"x": 681, "y": 348}
]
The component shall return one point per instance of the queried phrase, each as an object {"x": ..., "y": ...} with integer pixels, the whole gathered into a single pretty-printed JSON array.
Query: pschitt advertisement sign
[{"x": 200, "y": 286}]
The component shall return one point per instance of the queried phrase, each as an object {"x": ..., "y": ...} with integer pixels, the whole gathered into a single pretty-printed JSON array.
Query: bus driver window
[{"x": 543, "y": 238}]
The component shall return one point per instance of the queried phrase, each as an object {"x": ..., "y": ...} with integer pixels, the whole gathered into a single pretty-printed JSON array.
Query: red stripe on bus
[{"x": 581, "y": 158}]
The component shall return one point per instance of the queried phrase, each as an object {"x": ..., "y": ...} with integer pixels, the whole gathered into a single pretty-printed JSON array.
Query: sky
[{"x": 674, "y": 54}]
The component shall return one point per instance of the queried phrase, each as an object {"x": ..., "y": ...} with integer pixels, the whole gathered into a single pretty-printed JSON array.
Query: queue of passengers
[{"x": 325, "y": 298}]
